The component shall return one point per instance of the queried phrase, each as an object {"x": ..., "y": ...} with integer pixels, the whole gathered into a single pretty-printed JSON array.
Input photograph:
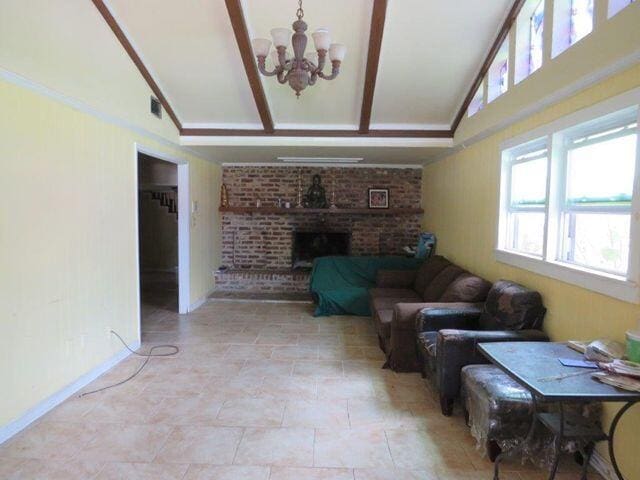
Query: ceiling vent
[{"x": 156, "y": 107}]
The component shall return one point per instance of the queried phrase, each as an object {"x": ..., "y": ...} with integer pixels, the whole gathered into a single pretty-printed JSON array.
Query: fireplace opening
[{"x": 310, "y": 245}]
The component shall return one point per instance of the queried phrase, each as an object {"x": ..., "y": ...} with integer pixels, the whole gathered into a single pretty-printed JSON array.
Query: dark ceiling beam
[
  {"x": 124, "y": 41},
  {"x": 373, "y": 60},
  {"x": 504, "y": 31},
  {"x": 244, "y": 45},
  {"x": 225, "y": 132}
]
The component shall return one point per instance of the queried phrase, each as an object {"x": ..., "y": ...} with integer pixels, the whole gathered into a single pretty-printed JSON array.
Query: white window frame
[
  {"x": 509, "y": 159},
  {"x": 625, "y": 287}
]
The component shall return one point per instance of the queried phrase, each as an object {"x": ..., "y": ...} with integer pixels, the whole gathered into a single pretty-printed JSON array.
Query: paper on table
[{"x": 572, "y": 362}]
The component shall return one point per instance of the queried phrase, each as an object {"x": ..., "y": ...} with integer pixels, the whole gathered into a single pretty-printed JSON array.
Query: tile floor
[{"x": 258, "y": 391}]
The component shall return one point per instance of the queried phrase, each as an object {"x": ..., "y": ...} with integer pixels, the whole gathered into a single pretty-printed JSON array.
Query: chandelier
[{"x": 300, "y": 71}]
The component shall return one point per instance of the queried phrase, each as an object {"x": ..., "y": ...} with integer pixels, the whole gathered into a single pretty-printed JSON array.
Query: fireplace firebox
[{"x": 309, "y": 245}]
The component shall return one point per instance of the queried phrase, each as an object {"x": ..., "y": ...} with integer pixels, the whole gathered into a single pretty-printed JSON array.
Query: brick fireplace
[{"x": 258, "y": 244}]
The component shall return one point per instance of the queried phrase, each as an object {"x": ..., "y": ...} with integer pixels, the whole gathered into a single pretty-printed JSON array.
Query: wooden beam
[
  {"x": 227, "y": 132},
  {"x": 373, "y": 59},
  {"x": 124, "y": 41},
  {"x": 246, "y": 52},
  {"x": 504, "y": 31}
]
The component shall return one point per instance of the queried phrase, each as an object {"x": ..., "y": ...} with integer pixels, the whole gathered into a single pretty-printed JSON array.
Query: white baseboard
[
  {"x": 201, "y": 301},
  {"x": 603, "y": 466},
  {"x": 9, "y": 430}
]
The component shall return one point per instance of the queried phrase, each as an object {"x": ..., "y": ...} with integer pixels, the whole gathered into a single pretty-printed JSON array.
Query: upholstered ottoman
[{"x": 499, "y": 409}]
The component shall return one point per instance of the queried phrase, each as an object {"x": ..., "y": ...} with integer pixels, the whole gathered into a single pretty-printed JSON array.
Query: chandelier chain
[{"x": 300, "y": 11}]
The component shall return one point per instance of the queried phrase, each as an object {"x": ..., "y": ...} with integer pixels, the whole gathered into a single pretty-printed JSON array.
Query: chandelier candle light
[{"x": 300, "y": 71}]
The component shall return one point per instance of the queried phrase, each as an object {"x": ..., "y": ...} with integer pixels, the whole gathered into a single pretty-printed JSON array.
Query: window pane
[
  {"x": 536, "y": 27},
  {"x": 526, "y": 232},
  {"x": 529, "y": 183},
  {"x": 602, "y": 173},
  {"x": 581, "y": 19},
  {"x": 597, "y": 240},
  {"x": 616, "y": 5},
  {"x": 504, "y": 77}
]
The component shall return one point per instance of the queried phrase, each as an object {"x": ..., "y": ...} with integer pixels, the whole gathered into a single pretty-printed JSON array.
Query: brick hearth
[{"x": 256, "y": 247}]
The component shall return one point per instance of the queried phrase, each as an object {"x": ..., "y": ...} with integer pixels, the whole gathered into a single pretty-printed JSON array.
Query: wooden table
[{"x": 536, "y": 367}]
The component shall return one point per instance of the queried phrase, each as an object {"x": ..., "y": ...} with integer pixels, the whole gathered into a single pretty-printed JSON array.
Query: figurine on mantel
[
  {"x": 224, "y": 196},
  {"x": 316, "y": 196}
]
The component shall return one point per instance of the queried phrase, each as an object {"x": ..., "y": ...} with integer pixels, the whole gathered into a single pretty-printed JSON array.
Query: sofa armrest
[
  {"x": 433, "y": 319},
  {"x": 405, "y": 314},
  {"x": 456, "y": 349},
  {"x": 395, "y": 278}
]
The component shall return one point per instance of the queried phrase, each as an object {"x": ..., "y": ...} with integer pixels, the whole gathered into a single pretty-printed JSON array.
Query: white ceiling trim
[
  {"x": 241, "y": 126},
  {"x": 264, "y": 141},
  {"x": 310, "y": 126},
  {"x": 409, "y": 126},
  {"x": 326, "y": 165}
]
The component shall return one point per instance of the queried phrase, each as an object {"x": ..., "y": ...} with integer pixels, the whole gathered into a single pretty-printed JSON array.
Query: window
[
  {"x": 477, "y": 102},
  {"x": 526, "y": 211},
  {"x": 529, "y": 39},
  {"x": 572, "y": 21},
  {"x": 568, "y": 196},
  {"x": 536, "y": 30},
  {"x": 616, "y": 6},
  {"x": 498, "y": 77},
  {"x": 581, "y": 19},
  {"x": 596, "y": 211}
]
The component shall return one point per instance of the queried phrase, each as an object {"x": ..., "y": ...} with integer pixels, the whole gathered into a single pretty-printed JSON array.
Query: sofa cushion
[
  {"x": 466, "y": 288},
  {"x": 511, "y": 306},
  {"x": 393, "y": 293},
  {"x": 387, "y": 303},
  {"x": 427, "y": 272},
  {"x": 383, "y": 325},
  {"x": 441, "y": 281}
]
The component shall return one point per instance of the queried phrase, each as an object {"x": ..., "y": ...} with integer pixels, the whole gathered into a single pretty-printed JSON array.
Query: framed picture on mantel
[{"x": 378, "y": 198}]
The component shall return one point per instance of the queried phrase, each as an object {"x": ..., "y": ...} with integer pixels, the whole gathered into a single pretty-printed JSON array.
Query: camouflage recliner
[{"x": 447, "y": 338}]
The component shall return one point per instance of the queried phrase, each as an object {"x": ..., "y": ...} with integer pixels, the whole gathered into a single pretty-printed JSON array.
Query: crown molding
[
  {"x": 230, "y": 132},
  {"x": 415, "y": 166},
  {"x": 316, "y": 141}
]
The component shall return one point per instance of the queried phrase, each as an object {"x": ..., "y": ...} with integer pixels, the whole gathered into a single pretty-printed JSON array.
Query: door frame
[{"x": 184, "y": 253}]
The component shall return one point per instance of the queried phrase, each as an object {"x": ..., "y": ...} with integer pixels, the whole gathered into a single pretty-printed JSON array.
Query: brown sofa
[{"x": 399, "y": 296}]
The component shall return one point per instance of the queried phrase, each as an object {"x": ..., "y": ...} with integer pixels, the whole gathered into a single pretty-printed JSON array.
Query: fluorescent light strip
[{"x": 319, "y": 160}]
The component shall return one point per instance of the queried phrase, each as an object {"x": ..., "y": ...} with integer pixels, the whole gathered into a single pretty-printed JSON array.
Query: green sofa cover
[{"x": 339, "y": 285}]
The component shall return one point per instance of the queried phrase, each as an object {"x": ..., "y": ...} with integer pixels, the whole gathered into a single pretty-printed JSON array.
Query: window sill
[{"x": 604, "y": 283}]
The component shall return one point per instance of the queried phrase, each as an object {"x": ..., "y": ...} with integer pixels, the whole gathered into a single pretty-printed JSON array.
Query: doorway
[{"x": 163, "y": 232}]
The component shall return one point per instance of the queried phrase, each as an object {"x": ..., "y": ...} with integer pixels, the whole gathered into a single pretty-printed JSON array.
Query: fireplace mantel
[{"x": 324, "y": 211}]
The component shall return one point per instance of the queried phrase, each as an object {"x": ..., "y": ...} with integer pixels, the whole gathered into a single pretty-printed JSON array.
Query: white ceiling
[
  {"x": 189, "y": 48},
  {"x": 431, "y": 51}
]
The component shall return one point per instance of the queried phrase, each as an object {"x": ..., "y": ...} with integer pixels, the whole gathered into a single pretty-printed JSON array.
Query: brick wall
[
  {"x": 245, "y": 184},
  {"x": 261, "y": 242}
]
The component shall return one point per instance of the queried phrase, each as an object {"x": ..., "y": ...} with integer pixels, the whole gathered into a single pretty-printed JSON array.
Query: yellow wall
[
  {"x": 68, "y": 270},
  {"x": 460, "y": 196},
  {"x": 68, "y": 243}
]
